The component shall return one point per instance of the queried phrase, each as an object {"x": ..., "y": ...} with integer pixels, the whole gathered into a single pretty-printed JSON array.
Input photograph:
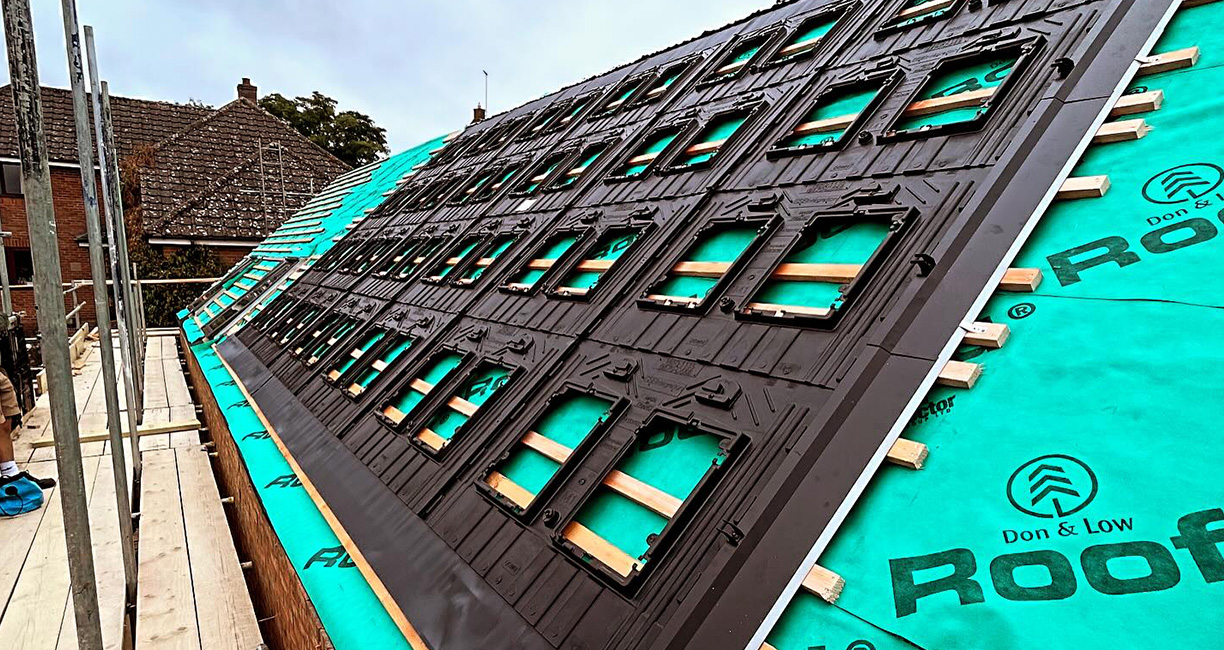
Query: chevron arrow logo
[
  {"x": 1052, "y": 486},
  {"x": 1183, "y": 183}
]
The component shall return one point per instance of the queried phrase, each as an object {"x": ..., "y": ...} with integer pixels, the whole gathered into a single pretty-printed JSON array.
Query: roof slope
[
  {"x": 236, "y": 174},
  {"x": 137, "y": 122}
]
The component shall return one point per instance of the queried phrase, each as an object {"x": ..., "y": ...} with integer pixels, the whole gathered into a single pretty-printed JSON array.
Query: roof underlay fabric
[
  {"x": 350, "y": 612},
  {"x": 837, "y": 327},
  {"x": 1100, "y": 405}
]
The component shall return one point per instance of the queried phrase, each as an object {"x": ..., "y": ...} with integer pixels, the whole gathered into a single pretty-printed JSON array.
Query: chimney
[
  {"x": 478, "y": 114},
  {"x": 248, "y": 91}
]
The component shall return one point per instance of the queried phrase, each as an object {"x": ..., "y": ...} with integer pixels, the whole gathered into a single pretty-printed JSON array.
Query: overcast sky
[{"x": 415, "y": 67}]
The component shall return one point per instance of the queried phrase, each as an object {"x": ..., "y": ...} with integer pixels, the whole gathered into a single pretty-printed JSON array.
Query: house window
[
  {"x": 651, "y": 151},
  {"x": 624, "y": 94},
  {"x": 805, "y": 40},
  {"x": 822, "y": 269},
  {"x": 348, "y": 361},
  {"x": 546, "y": 258},
  {"x": 21, "y": 265},
  {"x": 575, "y": 110},
  {"x": 597, "y": 263},
  {"x": 665, "y": 81},
  {"x": 458, "y": 256},
  {"x": 583, "y": 164},
  {"x": 669, "y": 469},
  {"x": 369, "y": 369},
  {"x": 542, "y": 173},
  {"x": 958, "y": 95},
  {"x": 837, "y": 111},
  {"x": 437, "y": 370},
  {"x": 736, "y": 61},
  {"x": 501, "y": 178},
  {"x": 711, "y": 140},
  {"x": 412, "y": 256},
  {"x": 913, "y": 12},
  {"x": 10, "y": 179},
  {"x": 448, "y": 420},
  {"x": 487, "y": 259},
  {"x": 716, "y": 250},
  {"x": 570, "y": 421}
]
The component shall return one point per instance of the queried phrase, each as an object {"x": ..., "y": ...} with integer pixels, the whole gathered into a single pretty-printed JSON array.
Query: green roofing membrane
[
  {"x": 351, "y": 614},
  {"x": 722, "y": 244},
  {"x": 850, "y": 102},
  {"x": 987, "y": 73},
  {"x": 1072, "y": 498}
]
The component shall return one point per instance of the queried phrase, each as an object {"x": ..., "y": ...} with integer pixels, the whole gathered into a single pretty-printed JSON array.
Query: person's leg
[{"x": 8, "y": 466}]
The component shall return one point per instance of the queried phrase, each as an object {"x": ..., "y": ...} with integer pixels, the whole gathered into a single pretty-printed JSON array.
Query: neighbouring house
[{"x": 222, "y": 178}]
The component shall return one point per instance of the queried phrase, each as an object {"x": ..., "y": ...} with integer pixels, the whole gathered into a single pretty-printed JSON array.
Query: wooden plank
[
  {"x": 17, "y": 537},
  {"x": 987, "y": 335},
  {"x": 826, "y": 125},
  {"x": 701, "y": 269},
  {"x": 824, "y": 583},
  {"x": 1169, "y": 61},
  {"x": 801, "y": 46},
  {"x": 550, "y": 448},
  {"x": 959, "y": 374},
  {"x": 376, "y": 585},
  {"x": 150, "y": 429},
  {"x": 1123, "y": 131},
  {"x": 222, "y": 603},
  {"x": 33, "y": 618},
  {"x": 907, "y": 453},
  {"x": 968, "y": 99},
  {"x": 1021, "y": 280},
  {"x": 541, "y": 264},
  {"x": 817, "y": 272},
  {"x": 595, "y": 266},
  {"x": 644, "y": 158},
  {"x": 1138, "y": 103},
  {"x": 600, "y": 548},
  {"x": 461, "y": 405},
  {"x": 1083, "y": 187},
  {"x": 509, "y": 489},
  {"x": 108, "y": 563},
  {"x": 165, "y": 617},
  {"x": 432, "y": 439},
  {"x": 767, "y": 307},
  {"x": 923, "y": 9},
  {"x": 732, "y": 67},
  {"x": 642, "y": 493},
  {"x": 682, "y": 300},
  {"x": 705, "y": 147}
]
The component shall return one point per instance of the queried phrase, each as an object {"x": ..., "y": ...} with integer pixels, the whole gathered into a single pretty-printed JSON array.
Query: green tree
[{"x": 349, "y": 135}]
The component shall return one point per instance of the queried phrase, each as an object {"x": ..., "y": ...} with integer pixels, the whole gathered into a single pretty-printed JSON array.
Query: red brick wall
[{"x": 70, "y": 223}]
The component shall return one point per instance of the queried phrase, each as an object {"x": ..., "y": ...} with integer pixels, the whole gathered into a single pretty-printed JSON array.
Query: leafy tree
[{"x": 349, "y": 135}]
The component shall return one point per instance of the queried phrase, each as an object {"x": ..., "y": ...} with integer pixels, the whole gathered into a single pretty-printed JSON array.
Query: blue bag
[{"x": 19, "y": 495}]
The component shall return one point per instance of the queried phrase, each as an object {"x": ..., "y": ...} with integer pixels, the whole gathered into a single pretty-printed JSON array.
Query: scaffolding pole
[
  {"x": 117, "y": 242},
  {"x": 48, "y": 292},
  {"x": 97, "y": 269}
]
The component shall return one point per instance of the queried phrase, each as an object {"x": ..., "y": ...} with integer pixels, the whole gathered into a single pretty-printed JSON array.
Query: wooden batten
[
  {"x": 987, "y": 335},
  {"x": 644, "y": 158},
  {"x": 959, "y": 374},
  {"x": 967, "y": 99},
  {"x": 705, "y": 147},
  {"x": 461, "y": 405},
  {"x": 1123, "y": 131},
  {"x": 826, "y": 125},
  {"x": 731, "y": 67},
  {"x": 817, "y": 272},
  {"x": 1021, "y": 280},
  {"x": 509, "y": 489},
  {"x": 572, "y": 291},
  {"x": 1169, "y": 61},
  {"x": 435, "y": 441},
  {"x": 1138, "y": 103},
  {"x": 924, "y": 9},
  {"x": 907, "y": 453},
  {"x": 600, "y": 548},
  {"x": 701, "y": 269},
  {"x": 643, "y": 494},
  {"x": 1083, "y": 187},
  {"x": 796, "y": 48},
  {"x": 541, "y": 264},
  {"x": 395, "y": 415},
  {"x": 598, "y": 266},
  {"x": 781, "y": 310},
  {"x": 677, "y": 300},
  {"x": 550, "y": 448},
  {"x": 824, "y": 583}
]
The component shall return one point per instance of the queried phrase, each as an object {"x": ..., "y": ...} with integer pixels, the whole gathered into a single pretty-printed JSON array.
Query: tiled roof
[
  {"x": 237, "y": 174},
  {"x": 137, "y": 122},
  {"x": 208, "y": 179}
]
